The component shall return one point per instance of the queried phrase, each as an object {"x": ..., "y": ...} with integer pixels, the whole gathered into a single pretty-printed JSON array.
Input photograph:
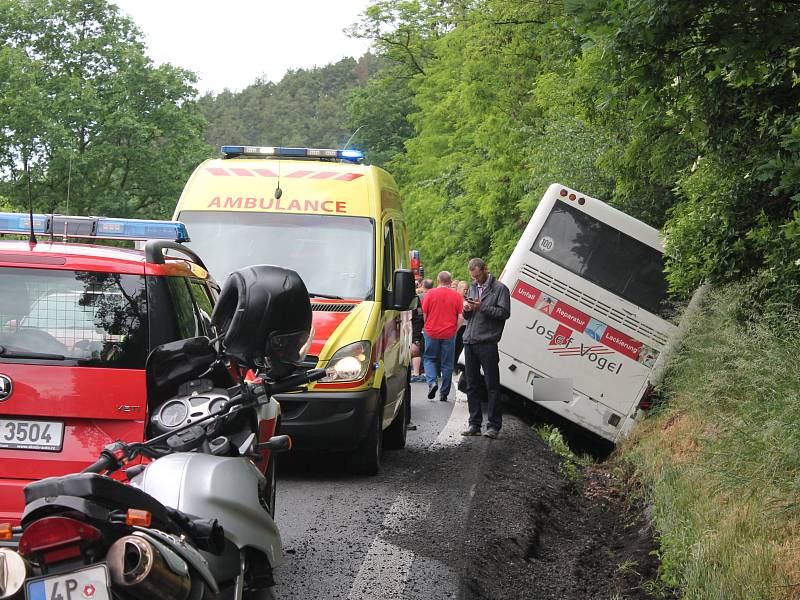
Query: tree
[
  {"x": 713, "y": 105},
  {"x": 89, "y": 125},
  {"x": 307, "y": 107}
]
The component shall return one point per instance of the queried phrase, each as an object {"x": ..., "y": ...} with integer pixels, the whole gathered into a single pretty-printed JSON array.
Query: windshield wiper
[
  {"x": 331, "y": 296},
  {"x": 9, "y": 353}
]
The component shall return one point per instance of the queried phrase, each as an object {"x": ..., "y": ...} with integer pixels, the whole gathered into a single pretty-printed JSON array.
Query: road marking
[
  {"x": 383, "y": 574},
  {"x": 450, "y": 435}
]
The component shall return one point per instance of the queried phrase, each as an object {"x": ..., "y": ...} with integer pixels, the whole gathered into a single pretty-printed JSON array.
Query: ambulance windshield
[{"x": 333, "y": 254}]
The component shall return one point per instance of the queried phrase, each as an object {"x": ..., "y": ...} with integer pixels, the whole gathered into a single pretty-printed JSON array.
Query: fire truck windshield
[{"x": 85, "y": 317}]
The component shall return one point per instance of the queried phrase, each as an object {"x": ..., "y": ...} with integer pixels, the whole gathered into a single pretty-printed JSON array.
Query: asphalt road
[{"x": 396, "y": 535}]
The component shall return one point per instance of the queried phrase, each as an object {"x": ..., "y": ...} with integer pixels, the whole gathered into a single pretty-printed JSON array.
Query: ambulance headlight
[{"x": 350, "y": 363}]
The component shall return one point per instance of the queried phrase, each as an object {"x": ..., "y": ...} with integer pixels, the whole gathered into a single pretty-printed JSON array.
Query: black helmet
[{"x": 264, "y": 312}]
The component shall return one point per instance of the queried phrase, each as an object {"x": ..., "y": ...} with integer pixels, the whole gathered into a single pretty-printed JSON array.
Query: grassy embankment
[{"x": 720, "y": 458}]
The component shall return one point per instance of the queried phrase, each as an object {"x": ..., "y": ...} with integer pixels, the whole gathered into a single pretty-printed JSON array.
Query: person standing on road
[
  {"x": 417, "y": 344},
  {"x": 461, "y": 287},
  {"x": 486, "y": 308},
  {"x": 441, "y": 307}
]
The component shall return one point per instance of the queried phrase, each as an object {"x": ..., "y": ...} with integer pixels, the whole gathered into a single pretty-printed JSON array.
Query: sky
[{"x": 231, "y": 43}]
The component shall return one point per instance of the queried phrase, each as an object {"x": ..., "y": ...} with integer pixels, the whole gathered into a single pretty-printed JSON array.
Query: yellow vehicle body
[{"x": 340, "y": 226}]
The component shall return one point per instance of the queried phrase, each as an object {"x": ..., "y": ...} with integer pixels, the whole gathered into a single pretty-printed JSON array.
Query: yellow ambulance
[{"x": 338, "y": 223}]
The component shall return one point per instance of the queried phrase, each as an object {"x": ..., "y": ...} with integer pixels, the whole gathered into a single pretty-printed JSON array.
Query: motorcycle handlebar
[
  {"x": 295, "y": 381},
  {"x": 101, "y": 464}
]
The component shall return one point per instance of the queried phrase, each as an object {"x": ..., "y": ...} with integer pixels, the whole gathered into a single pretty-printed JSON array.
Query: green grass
[
  {"x": 721, "y": 459},
  {"x": 571, "y": 464}
]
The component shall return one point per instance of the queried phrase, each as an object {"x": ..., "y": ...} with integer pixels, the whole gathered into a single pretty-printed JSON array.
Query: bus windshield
[
  {"x": 333, "y": 254},
  {"x": 603, "y": 255}
]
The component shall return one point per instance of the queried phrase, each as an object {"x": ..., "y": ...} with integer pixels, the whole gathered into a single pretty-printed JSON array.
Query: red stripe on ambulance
[{"x": 239, "y": 172}]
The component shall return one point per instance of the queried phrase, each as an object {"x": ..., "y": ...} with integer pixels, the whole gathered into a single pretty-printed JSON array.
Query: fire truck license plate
[
  {"x": 86, "y": 584},
  {"x": 31, "y": 435}
]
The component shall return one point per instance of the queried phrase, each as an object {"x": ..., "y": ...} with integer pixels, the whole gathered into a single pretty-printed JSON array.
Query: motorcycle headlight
[{"x": 350, "y": 363}]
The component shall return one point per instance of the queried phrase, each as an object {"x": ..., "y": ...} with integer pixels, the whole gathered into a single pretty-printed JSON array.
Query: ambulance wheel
[
  {"x": 394, "y": 437},
  {"x": 366, "y": 460}
]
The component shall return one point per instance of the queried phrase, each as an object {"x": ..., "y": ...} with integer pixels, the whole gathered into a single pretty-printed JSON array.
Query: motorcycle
[{"x": 193, "y": 520}]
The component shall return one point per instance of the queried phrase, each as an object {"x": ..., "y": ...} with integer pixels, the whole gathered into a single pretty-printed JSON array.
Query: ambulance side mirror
[{"x": 403, "y": 290}]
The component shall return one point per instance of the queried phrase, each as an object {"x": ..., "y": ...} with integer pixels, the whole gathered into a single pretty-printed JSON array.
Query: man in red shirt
[{"x": 441, "y": 306}]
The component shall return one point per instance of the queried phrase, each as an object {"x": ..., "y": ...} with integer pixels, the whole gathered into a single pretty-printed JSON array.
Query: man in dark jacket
[{"x": 486, "y": 308}]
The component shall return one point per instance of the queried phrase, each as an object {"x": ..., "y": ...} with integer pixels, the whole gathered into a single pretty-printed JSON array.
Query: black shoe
[
  {"x": 432, "y": 391},
  {"x": 442, "y": 398},
  {"x": 472, "y": 431}
]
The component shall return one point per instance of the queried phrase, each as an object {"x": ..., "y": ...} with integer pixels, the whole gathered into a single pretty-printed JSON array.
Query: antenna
[
  {"x": 69, "y": 181},
  {"x": 352, "y": 136},
  {"x": 32, "y": 238},
  {"x": 278, "y": 190}
]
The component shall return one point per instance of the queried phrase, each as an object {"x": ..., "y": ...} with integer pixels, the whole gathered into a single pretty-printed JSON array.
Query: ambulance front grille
[
  {"x": 595, "y": 305},
  {"x": 343, "y": 308}
]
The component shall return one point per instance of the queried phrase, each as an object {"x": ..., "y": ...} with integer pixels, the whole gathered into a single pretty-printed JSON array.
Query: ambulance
[{"x": 338, "y": 223}]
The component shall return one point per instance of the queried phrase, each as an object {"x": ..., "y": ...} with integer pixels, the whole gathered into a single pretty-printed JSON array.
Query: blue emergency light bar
[
  {"x": 100, "y": 228},
  {"x": 282, "y": 152}
]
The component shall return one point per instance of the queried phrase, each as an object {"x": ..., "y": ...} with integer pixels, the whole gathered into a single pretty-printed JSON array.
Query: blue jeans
[{"x": 438, "y": 358}]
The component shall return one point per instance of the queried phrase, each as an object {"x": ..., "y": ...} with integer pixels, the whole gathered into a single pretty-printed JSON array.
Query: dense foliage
[
  {"x": 307, "y": 107},
  {"x": 87, "y": 124},
  {"x": 684, "y": 114}
]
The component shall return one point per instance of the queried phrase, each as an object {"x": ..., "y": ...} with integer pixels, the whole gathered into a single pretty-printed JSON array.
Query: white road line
[
  {"x": 450, "y": 435},
  {"x": 384, "y": 572}
]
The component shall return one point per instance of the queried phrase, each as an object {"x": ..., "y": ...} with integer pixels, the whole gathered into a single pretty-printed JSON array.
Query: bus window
[{"x": 603, "y": 255}]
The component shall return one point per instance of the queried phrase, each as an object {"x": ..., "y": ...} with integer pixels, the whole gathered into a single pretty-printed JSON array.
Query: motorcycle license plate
[
  {"x": 86, "y": 584},
  {"x": 19, "y": 434}
]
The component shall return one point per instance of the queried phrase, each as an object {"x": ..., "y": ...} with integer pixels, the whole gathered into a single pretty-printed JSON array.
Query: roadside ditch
[{"x": 543, "y": 526}]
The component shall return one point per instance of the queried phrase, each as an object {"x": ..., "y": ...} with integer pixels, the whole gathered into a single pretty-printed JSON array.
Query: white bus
[{"x": 588, "y": 312}]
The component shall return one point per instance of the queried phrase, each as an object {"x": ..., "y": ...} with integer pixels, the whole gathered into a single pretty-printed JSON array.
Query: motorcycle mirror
[
  {"x": 277, "y": 443},
  {"x": 186, "y": 440}
]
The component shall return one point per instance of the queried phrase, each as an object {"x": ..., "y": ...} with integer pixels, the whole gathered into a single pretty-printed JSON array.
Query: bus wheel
[
  {"x": 395, "y": 435},
  {"x": 366, "y": 460}
]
